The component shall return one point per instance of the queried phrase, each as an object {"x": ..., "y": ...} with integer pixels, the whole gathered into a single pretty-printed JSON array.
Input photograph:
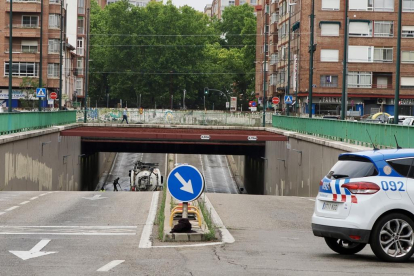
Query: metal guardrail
[
  {"x": 175, "y": 117},
  {"x": 349, "y": 131},
  {"x": 24, "y": 121}
]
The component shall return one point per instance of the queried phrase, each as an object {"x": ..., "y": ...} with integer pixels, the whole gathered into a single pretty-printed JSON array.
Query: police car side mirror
[
  {"x": 129, "y": 174},
  {"x": 162, "y": 179}
]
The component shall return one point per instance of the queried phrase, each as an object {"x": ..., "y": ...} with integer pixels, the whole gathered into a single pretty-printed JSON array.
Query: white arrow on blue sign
[
  {"x": 40, "y": 92},
  {"x": 288, "y": 99},
  {"x": 185, "y": 183}
]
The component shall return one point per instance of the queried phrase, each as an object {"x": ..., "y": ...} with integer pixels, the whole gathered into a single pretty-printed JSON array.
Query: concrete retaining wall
[{"x": 42, "y": 160}]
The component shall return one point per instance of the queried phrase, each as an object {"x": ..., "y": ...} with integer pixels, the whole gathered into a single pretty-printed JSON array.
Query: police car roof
[{"x": 376, "y": 155}]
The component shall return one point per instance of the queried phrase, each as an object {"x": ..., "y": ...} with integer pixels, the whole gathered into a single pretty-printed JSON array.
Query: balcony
[
  {"x": 24, "y": 6},
  {"x": 382, "y": 80},
  {"x": 24, "y": 30}
]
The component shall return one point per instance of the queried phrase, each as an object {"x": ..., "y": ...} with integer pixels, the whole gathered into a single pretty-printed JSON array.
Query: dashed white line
[
  {"x": 43, "y": 194},
  {"x": 312, "y": 199},
  {"x": 24, "y": 202},
  {"x": 1, "y": 213},
  {"x": 110, "y": 265},
  {"x": 33, "y": 198},
  {"x": 12, "y": 208}
]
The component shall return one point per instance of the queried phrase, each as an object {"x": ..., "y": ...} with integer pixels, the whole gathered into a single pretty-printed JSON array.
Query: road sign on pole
[
  {"x": 40, "y": 92},
  {"x": 288, "y": 99},
  {"x": 53, "y": 95},
  {"x": 275, "y": 100},
  {"x": 185, "y": 183}
]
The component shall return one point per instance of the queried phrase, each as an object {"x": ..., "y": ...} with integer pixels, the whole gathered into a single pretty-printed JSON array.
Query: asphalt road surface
[
  {"x": 75, "y": 233},
  {"x": 215, "y": 168},
  {"x": 125, "y": 162}
]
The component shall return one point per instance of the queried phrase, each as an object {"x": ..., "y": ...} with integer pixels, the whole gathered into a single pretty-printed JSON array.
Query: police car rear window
[{"x": 350, "y": 166}]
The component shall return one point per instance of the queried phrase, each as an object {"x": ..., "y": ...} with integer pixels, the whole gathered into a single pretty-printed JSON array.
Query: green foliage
[{"x": 160, "y": 50}]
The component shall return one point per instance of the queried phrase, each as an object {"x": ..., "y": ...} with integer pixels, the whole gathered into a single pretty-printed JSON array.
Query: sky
[{"x": 196, "y": 4}]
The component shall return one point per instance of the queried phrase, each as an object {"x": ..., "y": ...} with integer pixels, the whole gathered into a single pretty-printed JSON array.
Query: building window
[
  {"x": 275, "y": 18},
  {"x": 232, "y": 3},
  {"x": 384, "y": 5},
  {"x": 329, "y": 81},
  {"x": 53, "y": 46},
  {"x": 273, "y": 59},
  {"x": 329, "y": 29},
  {"x": 22, "y": 69},
  {"x": 273, "y": 79},
  {"x": 382, "y": 54},
  {"x": 253, "y": 2},
  {"x": 359, "y": 79},
  {"x": 407, "y": 56},
  {"x": 79, "y": 65},
  {"x": 266, "y": 29},
  {"x": 360, "y": 28},
  {"x": 408, "y": 31},
  {"x": 54, "y": 1},
  {"x": 54, "y": 20},
  {"x": 407, "y": 82},
  {"x": 81, "y": 6},
  {"x": 81, "y": 29},
  {"x": 408, "y": 6},
  {"x": 30, "y": 21},
  {"x": 79, "y": 47},
  {"x": 329, "y": 55},
  {"x": 360, "y": 53},
  {"x": 29, "y": 46},
  {"x": 283, "y": 32},
  {"x": 79, "y": 86},
  {"x": 384, "y": 28},
  {"x": 53, "y": 70},
  {"x": 330, "y": 5}
]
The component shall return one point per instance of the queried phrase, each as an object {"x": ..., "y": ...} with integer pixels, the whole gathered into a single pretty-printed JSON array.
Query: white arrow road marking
[
  {"x": 34, "y": 252},
  {"x": 187, "y": 186},
  {"x": 95, "y": 197},
  {"x": 110, "y": 265}
]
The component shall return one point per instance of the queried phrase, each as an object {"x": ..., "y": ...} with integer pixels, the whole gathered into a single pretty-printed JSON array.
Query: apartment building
[
  {"x": 267, "y": 13},
  {"x": 372, "y": 54},
  {"x": 218, "y": 6},
  {"x": 207, "y": 10}
]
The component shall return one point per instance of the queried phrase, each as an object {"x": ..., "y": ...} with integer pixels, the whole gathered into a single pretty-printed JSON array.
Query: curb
[{"x": 235, "y": 172}]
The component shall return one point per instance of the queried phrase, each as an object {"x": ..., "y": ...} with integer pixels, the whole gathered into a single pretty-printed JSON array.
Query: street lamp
[
  {"x": 184, "y": 99},
  {"x": 288, "y": 78}
]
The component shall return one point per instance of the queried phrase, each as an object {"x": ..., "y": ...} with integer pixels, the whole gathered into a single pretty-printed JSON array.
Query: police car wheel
[
  {"x": 392, "y": 238},
  {"x": 344, "y": 247}
]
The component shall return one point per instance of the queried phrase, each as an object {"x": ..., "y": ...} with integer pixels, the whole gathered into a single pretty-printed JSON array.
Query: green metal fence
[
  {"x": 348, "y": 131},
  {"x": 23, "y": 121}
]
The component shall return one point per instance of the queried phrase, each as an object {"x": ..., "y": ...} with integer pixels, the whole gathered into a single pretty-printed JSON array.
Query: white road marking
[
  {"x": 12, "y": 208},
  {"x": 34, "y": 252},
  {"x": 24, "y": 202},
  {"x": 33, "y": 198},
  {"x": 311, "y": 199},
  {"x": 43, "y": 194},
  {"x": 145, "y": 241},
  {"x": 1, "y": 213},
  {"x": 226, "y": 237},
  {"x": 69, "y": 230},
  {"x": 110, "y": 265},
  {"x": 95, "y": 197},
  {"x": 189, "y": 245}
]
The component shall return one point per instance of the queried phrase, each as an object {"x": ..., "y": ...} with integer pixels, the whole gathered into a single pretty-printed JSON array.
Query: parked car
[
  {"x": 401, "y": 118},
  {"x": 408, "y": 121}
]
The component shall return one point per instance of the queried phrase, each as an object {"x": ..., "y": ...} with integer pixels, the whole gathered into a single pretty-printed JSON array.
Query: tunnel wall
[
  {"x": 296, "y": 167},
  {"x": 42, "y": 160}
]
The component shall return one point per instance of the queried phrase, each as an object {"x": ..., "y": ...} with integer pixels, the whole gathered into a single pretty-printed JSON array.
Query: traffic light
[{"x": 205, "y": 90}]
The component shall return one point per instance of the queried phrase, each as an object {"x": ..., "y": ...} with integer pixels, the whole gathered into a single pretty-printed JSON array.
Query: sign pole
[
  {"x": 185, "y": 210},
  {"x": 11, "y": 58}
]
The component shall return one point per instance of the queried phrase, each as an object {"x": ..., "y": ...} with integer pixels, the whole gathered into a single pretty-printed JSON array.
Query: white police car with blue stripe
[{"x": 368, "y": 198}]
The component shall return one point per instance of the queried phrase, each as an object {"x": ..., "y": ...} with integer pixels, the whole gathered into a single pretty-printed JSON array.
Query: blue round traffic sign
[
  {"x": 185, "y": 183},
  {"x": 254, "y": 104}
]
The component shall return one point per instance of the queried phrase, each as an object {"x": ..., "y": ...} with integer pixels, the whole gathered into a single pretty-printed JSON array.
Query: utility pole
[
  {"x": 397, "y": 72},
  {"x": 184, "y": 99},
  {"x": 344, "y": 104},
  {"x": 288, "y": 78},
  {"x": 264, "y": 64},
  {"x": 41, "y": 53},
  {"x": 61, "y": 53},
  {"x": 87, "y": 64},
  {"x": 11, "y": 59},
  {"x": 311, "y": 50}
]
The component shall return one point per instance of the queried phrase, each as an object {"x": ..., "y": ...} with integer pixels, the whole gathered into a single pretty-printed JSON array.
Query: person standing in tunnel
[{"x": 116, "y": 182}]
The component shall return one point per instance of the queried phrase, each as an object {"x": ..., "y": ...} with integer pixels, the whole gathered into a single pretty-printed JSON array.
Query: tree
[{"x": 28, "y": 86}]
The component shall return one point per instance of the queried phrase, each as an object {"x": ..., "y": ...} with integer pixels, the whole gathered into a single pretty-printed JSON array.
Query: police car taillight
[{"x": 364, "y": 188}]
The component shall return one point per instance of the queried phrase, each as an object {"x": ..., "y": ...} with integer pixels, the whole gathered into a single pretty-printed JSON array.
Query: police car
[{"x": 368, "y": 198}]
